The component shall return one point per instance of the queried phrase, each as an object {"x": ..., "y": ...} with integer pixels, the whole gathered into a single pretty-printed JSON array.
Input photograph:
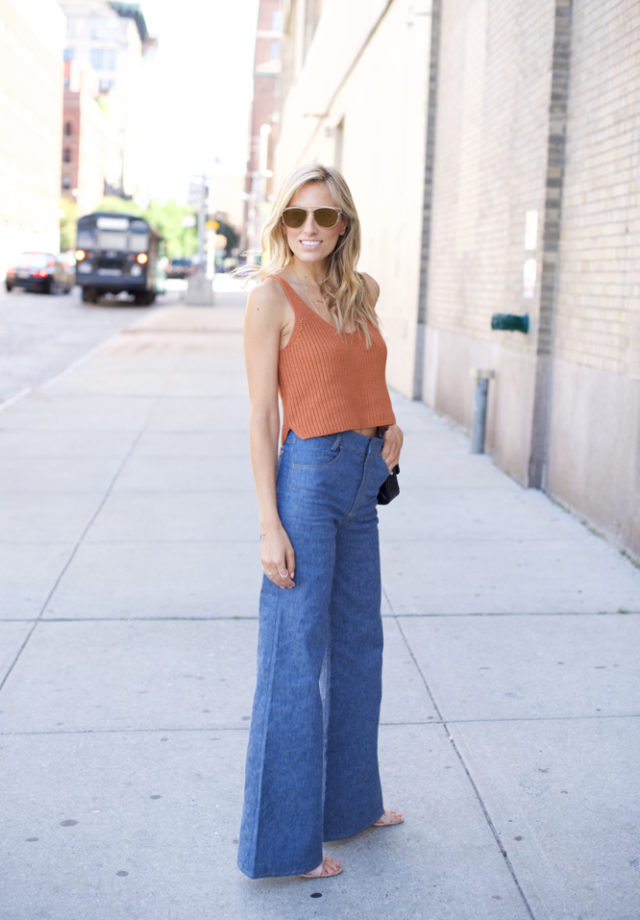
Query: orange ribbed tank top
[{"x": 330, "y": 382}]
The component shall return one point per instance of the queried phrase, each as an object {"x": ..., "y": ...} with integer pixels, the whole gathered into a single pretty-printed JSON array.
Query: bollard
[{"x": 482, "y": 378}]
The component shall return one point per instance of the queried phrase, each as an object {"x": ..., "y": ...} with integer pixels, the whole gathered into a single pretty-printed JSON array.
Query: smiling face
[{"x": 311, "y": 243}]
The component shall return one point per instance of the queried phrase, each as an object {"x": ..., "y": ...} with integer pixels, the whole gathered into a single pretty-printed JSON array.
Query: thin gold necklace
[{"x": 323, "y": 301}]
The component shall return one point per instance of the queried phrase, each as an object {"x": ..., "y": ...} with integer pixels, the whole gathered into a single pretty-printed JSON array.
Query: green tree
[
  {"x": 68, "y": 218},
  {"x": 168, "y": 218}
]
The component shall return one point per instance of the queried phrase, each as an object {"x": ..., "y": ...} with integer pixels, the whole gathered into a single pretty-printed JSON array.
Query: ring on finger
[{"x": 282, "y": 573}]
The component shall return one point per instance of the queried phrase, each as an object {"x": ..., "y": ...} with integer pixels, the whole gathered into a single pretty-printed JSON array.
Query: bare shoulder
[
  {"x": 373, "y": 288},
  {"x": 267, "y": 303},
  {"x": 267, "y": 295}
]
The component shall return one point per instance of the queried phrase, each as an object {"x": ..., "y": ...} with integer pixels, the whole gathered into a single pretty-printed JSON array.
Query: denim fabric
[{"x": 312, "y": 761}]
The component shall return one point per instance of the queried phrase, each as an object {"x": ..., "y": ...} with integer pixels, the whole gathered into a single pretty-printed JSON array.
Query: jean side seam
[
  {"x": 326, "y": 714},
  {"x": 266, "y": 723}
]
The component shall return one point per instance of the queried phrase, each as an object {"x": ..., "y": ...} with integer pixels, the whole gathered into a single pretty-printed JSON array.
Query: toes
[
  {"x": 326, "y": 869},
  {"x": 388, "y": 818}
]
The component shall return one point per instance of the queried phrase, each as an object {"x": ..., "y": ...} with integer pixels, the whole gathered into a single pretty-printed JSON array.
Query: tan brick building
[
  {"x": 263, "y": 129},
  {"x": 31, "y": 44},
  {"x": 492, "y": 146},
  {"x": 87, "y": 139}
]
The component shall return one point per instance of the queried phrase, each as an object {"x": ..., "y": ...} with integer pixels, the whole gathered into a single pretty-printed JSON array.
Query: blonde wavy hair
[{"x": 343, "y": 285}]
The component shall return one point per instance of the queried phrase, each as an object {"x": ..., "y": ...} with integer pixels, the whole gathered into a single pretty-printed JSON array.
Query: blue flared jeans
[{"x": 312, "y": 759}]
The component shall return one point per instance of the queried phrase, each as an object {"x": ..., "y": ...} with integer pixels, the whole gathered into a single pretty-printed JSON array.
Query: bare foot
[
  {"x": 327, "y": 868},
  {"x": 388, "y": 818}
]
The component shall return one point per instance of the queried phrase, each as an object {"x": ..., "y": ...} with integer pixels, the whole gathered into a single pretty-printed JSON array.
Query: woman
[{"x": 311, "y": 334}]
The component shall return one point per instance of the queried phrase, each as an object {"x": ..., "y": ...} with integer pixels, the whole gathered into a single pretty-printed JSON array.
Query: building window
[
  {"x": 68, "y": 54},
  {"x": 66, "y": 155},
  {"x": 99, "y": 28},
  {"x": 103, "y": 29},
  {"x": 103, "y": 58},
  {"x": 276, "y": 21},
  {"x": 106, "y": 86},
  {"x": 275, "y": 51},
  {"x": 67, "y": 128},
  {"x": 66, "y": 182}
]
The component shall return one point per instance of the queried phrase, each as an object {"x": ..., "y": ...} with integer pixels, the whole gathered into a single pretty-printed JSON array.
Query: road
[{"x": 41, "y": 335}]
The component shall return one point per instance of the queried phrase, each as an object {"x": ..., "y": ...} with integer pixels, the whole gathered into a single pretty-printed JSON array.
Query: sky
[{"x": 203, "y": 83}]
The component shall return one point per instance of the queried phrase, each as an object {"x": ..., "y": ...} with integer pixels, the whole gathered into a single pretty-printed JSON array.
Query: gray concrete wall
[
  {"x": 594, "y": 464},
  {"x": 449, "y": 359}
]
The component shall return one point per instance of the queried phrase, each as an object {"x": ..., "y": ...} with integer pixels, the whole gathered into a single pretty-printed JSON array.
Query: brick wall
[
  {"x": 489, "y": 167},
  {"x": 598, "y": 313},
  {"x": 539, "y": 111},
  {"x": 594, "y": 449},
  {"x": 494, "y": 84}
]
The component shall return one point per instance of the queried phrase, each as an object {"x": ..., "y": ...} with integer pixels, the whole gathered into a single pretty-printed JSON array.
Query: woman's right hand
[{"x": 277, "y": 557}]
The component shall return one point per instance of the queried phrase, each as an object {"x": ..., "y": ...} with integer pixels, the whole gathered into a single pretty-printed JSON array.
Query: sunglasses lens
[
  {"x": 294, "y": 217},
  {"x": 326, "y": 217}
]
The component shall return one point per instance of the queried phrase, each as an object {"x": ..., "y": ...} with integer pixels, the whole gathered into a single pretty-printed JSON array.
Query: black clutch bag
[{"x": 390, "y": 488}]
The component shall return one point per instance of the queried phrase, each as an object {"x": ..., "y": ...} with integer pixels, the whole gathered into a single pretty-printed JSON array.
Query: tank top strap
[{"x": 292, "y": 296}]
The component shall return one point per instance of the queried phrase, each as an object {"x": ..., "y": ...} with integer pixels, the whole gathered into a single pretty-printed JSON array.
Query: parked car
[
  {"x": 41, "y": 271},
  {"x": 179, "y": 268}
]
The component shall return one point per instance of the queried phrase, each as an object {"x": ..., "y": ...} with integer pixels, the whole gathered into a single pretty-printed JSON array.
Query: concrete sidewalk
[{"x": 129, "y": 562}]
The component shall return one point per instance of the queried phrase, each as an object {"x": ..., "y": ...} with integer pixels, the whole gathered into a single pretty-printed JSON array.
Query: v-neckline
[{"x": 311, "y": 309}]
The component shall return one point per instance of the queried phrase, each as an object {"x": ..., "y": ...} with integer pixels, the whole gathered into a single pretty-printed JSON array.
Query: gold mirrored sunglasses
[{"x": 324, "y": 217}]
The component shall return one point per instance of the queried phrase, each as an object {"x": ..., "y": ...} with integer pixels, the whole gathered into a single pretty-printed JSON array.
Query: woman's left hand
[{"x": 392, "y": 445}]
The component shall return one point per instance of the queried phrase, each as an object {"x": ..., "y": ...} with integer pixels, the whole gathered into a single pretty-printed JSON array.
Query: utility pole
[{"x": 200, "y": 282}]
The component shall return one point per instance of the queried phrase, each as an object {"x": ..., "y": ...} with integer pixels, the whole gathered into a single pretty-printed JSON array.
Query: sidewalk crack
[
  {"x": 485, "y": 811},
  {"x": 74, "y": 551}
]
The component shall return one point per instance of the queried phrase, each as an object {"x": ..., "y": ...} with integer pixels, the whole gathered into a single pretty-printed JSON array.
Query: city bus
[{"x": 118, "y": 253}]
